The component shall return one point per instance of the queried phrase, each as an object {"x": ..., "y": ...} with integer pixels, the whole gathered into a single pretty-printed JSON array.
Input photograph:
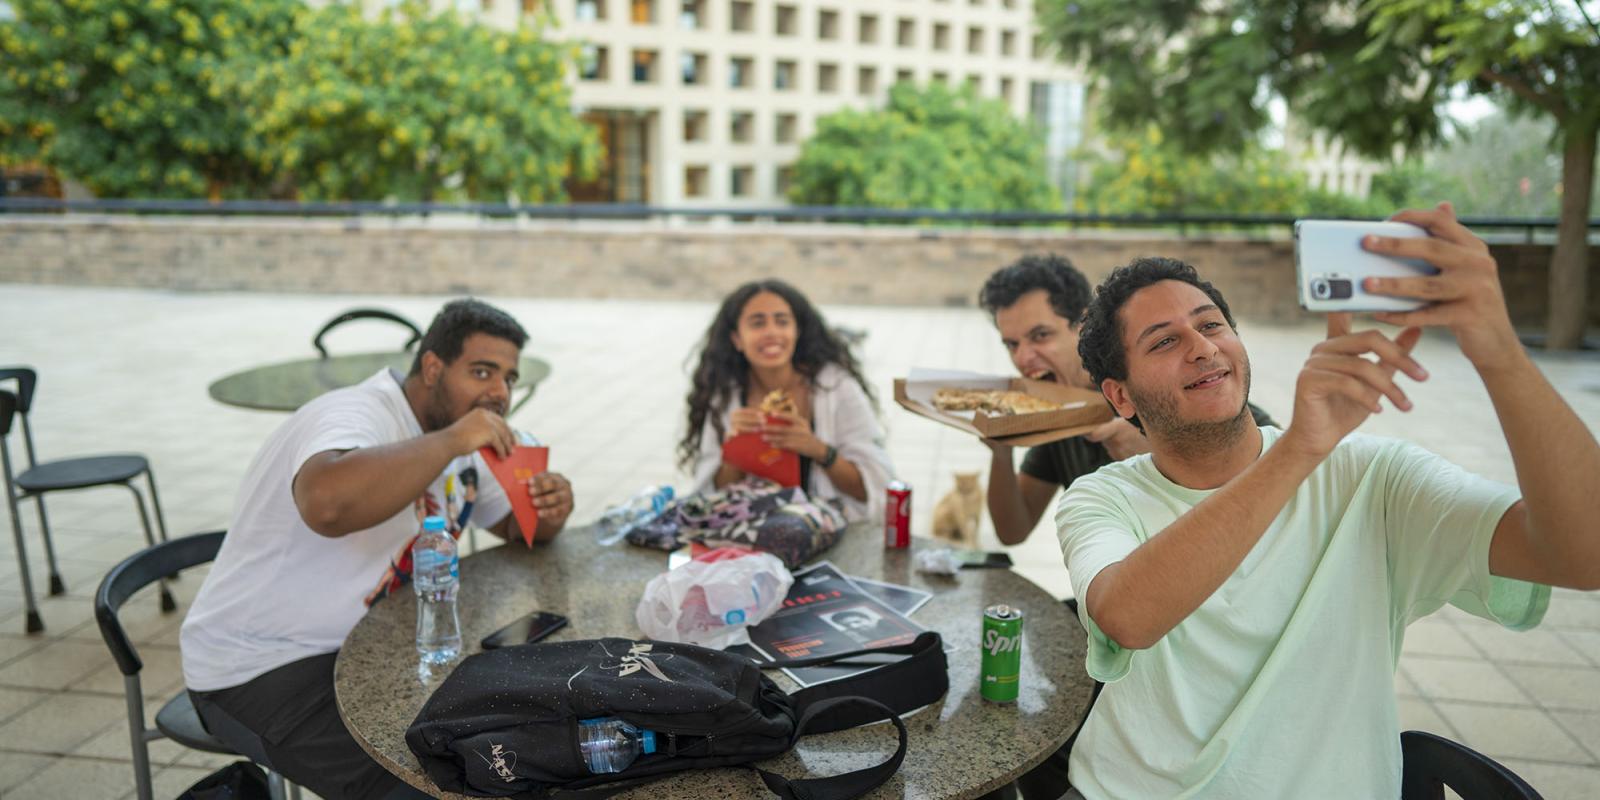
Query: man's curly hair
[{"x": 1100, "y": 340}]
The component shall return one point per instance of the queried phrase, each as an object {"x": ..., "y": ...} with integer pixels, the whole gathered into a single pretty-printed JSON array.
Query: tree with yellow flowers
[
  {"x": 116, "y": 93},
  {"x": 414, "y": 106}
]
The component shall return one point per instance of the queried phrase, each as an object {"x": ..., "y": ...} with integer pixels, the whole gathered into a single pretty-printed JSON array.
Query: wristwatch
[{"x": 829, "y": 457}]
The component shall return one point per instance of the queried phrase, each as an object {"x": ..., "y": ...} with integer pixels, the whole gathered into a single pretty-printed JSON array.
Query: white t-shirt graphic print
[{"x": 279, "y": 591}]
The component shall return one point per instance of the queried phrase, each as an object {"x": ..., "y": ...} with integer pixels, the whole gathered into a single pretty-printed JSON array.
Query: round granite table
[
  {"x": 960, "y": 747},
  {"x": 288, "y": 385}
]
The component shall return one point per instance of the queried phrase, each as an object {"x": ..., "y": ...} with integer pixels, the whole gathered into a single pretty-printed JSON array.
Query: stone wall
[{"x": 833, "y": 264}]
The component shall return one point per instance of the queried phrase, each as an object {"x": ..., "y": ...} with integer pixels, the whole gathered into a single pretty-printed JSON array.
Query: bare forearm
[
  {"x": 1556, "y": 459},
  {"x": 1139, "y": 599},
  {"x": 341, "y": 493},
  {"x": 1007, "y": 507},
  {"x": 846, "y": 477}
]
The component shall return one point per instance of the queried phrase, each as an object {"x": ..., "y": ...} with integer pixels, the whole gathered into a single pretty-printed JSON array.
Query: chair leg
[
  {"x": 167, "y": 603},
  {"x": 141, "y": 748},
  {"x": 275, "y": 784},
  {"x": 57, "y": 586},
  {"x": 155, "y": 500},
  {"x": 35, "y": 623}
]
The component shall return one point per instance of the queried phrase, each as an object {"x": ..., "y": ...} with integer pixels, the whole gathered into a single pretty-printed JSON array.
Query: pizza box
[{"x": 1083, "y": 409}]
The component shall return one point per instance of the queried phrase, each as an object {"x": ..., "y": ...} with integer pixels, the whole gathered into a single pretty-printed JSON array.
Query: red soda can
[{"x": 897, "y": 516}]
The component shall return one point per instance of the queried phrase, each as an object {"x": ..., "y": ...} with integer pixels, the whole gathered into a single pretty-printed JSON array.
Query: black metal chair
[
  {"x": 40, "y": 479},
  {"x": 1434, "y": 762},
  {"x": 177, "y": 720}
]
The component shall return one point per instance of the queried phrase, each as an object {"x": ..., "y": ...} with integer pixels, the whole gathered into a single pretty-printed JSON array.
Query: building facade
[{"x": 707, "y": 102}]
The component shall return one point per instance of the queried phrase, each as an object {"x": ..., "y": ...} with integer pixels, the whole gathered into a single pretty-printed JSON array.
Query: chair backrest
[
  {"x": 26, "y": 379},
  {"x": 8, "y": 411},
  {"x": 1434, "y": 762},
  {"x": 138, "y": 571}
]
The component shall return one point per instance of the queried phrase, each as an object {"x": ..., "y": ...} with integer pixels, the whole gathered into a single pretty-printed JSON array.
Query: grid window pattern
[
  {"x": 694, "y": 126},
  {"x": 741, "y": 72},
  {"x": 867, "y": 29},
  {"x": 696, "y": 181},
  {"x": 741, "y": 181},
  {"x": 644, "y": 66},
  {"x": 828, "y": 78},
  {"x": 785, "y": 127},
  {"x": 827, "y": 25},
  {"x": 742, "y": 16},
  {"x": 867, "y": 81},
  {"x": 742, "y": 127}
]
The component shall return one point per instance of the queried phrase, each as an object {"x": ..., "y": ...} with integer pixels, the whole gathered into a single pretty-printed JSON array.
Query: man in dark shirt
[{"x": 1036, "y": 304}]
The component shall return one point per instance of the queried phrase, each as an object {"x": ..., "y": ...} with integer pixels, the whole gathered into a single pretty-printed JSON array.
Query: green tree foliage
[
  {"x": 930, "y": 147},
  {"x": 1375, "y": 73},
  {"x": 116, "y": 92},
  {"x": 416, "y": 107},
  {"x": 1156, "y": 176}
]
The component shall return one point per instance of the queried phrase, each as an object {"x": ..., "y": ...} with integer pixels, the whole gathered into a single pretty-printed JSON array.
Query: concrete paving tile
[
  {"x": 62, "y": 723},
  {"x": 1512, "y": 732},
  {"x": 55, "y": 666},
  {"x": 1584, "y": 726},
  {"x": 161, "y": 677},
  {"x": 15, "y": 701},
  {"x": 18, "y": 767},
  {"x": 15, "y": 645},
  {"x": 1532, "y": 647},
  {"x": 1561, "y": 687},
  {"x": 1586, "y": 642},
  {"x": 1558, "y": 781},
  {"x": 173, "y": 781},
  {"x": 1437, "y": 637},
  {"x": 79, "y": 778},
  {"x": 114, "y": 743},
  {"x": 1576, "y": 613},
  {"x": 1456, "y": 679},
  {"x": 1417, "y": 715}
]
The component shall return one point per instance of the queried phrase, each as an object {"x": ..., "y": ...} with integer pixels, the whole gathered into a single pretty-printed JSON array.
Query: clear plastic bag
[{"x": 711, "y": 600}]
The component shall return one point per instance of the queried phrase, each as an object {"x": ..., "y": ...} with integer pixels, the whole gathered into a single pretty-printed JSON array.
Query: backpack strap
[
  {"x": 903, "y": 686},
  {"x": 850, "y": 784}
]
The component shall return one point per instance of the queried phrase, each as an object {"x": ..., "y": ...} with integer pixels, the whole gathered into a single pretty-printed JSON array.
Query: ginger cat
[{"x": 955, "y": 517}]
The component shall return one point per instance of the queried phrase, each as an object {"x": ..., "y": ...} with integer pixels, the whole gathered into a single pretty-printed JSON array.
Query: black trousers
[{"x": 287, "y": 720}]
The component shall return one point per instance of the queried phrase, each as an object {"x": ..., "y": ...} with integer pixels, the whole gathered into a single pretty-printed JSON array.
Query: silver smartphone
[{"x": 1330, "y": 265}]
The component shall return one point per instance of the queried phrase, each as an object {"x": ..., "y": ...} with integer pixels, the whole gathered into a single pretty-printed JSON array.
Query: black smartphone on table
[{"x": 524, "y": 630}]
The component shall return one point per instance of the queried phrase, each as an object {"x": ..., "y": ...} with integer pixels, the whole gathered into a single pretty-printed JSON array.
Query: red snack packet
[{"x": 513, "y": 473}]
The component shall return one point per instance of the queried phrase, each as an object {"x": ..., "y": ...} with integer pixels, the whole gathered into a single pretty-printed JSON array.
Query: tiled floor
[{"x": 128, "y": 370}]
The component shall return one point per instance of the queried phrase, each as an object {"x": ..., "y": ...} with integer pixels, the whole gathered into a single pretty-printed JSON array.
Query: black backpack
[{"x": 505, "y": 723}]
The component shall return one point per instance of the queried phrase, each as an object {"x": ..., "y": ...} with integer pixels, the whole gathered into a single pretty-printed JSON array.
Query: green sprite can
[{"x": 1002, "y": 653}]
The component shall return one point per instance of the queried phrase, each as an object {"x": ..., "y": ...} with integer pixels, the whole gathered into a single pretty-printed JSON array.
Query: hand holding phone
[
  {"x": 1331, "y": 265},
  {"x": 525, "y": 630}
]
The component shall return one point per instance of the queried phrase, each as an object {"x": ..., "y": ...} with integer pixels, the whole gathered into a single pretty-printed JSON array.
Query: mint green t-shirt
[{"x": 1282, "y": 683}]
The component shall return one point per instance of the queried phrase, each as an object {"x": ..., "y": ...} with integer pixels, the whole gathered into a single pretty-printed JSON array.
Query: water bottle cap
[
  {"x": 647, "y": 741},
  {"x": 666, "y": 492},
  {"x": 433, "y": 523}
]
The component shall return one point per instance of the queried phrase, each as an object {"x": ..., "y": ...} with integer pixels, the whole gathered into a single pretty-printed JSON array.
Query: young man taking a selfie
[{"x": 1247, "y": 589}]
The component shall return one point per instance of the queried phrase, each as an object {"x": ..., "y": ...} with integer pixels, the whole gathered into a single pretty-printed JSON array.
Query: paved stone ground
[{"x": 128, "y": 370}]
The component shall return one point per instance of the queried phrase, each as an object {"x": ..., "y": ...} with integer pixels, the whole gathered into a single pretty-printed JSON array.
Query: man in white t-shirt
[
  {"x": 1247, "y": 589},
  {"x": 322, "y": 528}
]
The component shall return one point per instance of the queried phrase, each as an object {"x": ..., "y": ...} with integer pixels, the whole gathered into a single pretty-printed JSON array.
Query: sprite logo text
[{"x": 994, "y": 643}]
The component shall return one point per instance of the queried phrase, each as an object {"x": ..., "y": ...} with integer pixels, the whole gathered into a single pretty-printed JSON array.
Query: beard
[
  {"x": 436, "y": 414},
  {"x": 1158, "y": 412}
]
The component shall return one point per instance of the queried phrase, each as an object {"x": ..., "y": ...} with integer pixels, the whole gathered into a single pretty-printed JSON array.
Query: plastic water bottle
[
  {"x": 635, "y": 511},
  {"x": 609, "y": 744},
  {"x": 436, "y": 576}
]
